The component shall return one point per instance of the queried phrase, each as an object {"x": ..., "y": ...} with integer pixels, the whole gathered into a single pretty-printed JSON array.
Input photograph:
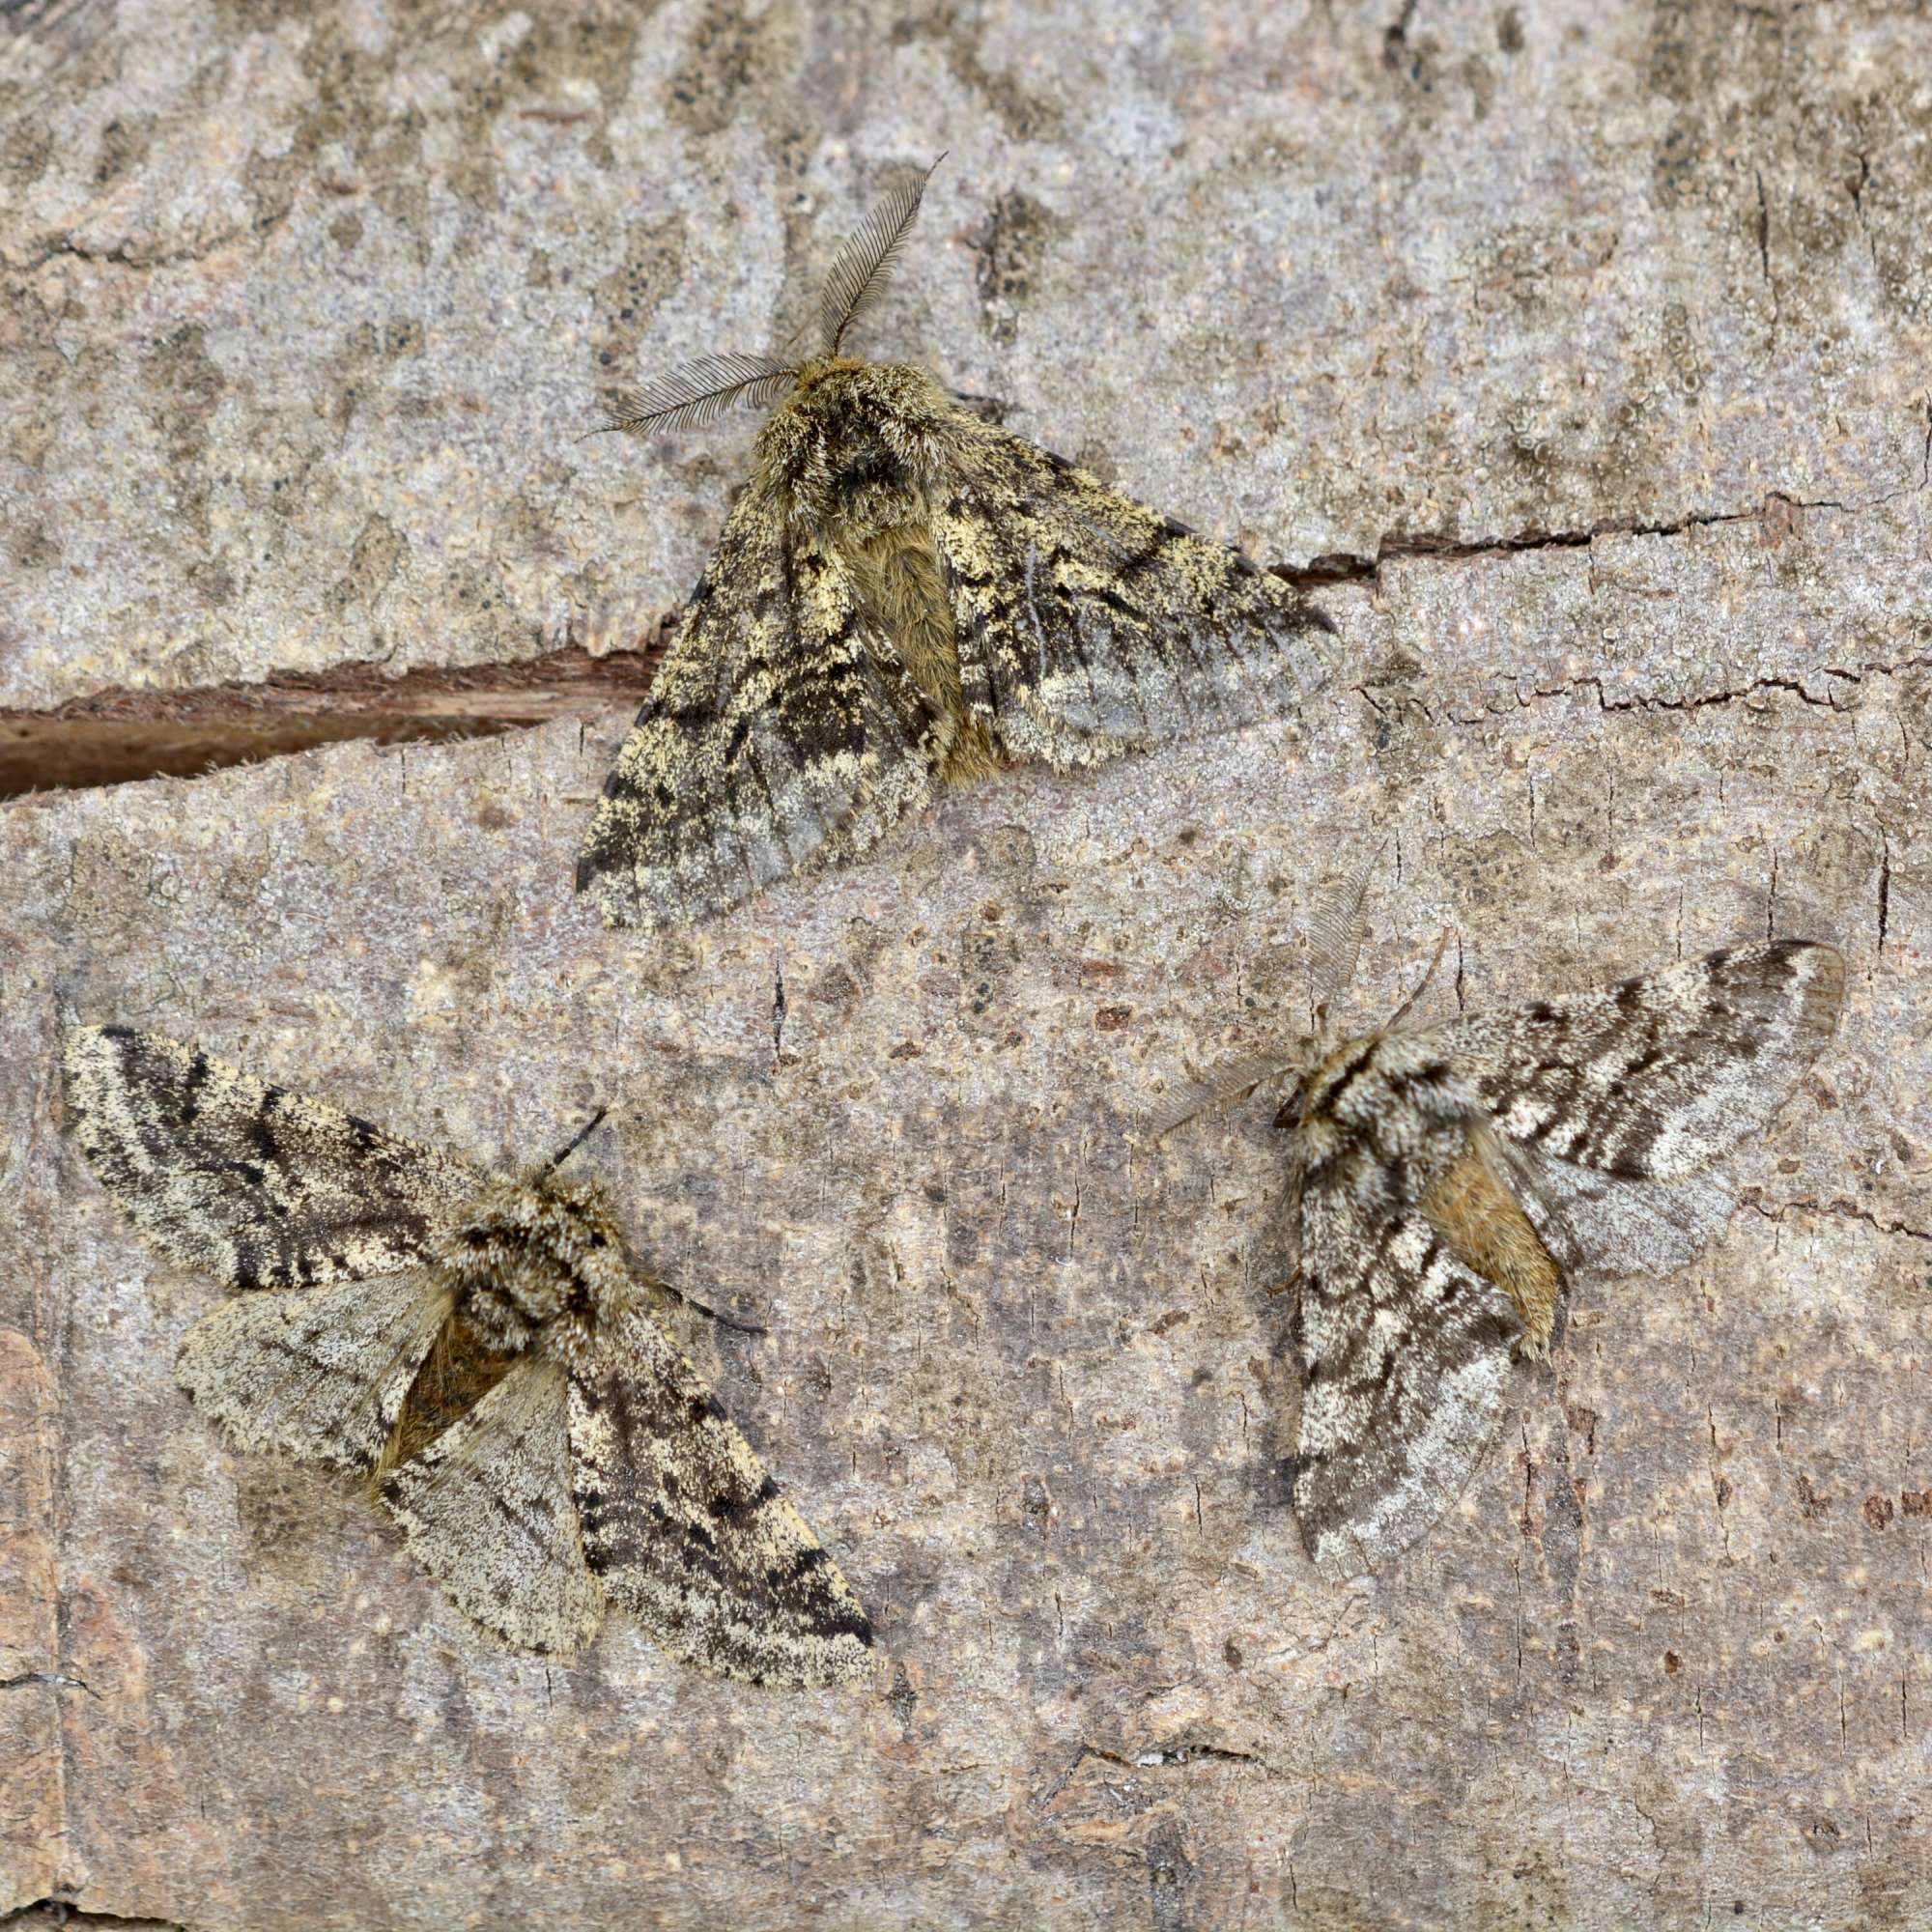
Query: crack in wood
[
  {"x": 121, "y": 735},
  {"x": 61, "y": 1915},
  {"x": 118, "y": 736}
]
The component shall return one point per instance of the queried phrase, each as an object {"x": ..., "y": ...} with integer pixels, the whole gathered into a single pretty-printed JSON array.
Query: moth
[
  {"x": 1449, "y": 1182},
  {"x": 905, "y": 595},
  {"x": 482, "y": 1346}
]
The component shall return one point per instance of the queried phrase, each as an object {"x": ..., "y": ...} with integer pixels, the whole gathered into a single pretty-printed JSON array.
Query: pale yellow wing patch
[
  {"x": 781, "y": 730},
  {"x": 1087, "y": 623}
]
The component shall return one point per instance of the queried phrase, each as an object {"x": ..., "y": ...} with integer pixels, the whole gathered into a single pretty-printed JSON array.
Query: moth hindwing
[
  {"x": 904, "y": 595},
  {"x": 481, "y": 1346},
  {"x": 1452, "y": 1178}
]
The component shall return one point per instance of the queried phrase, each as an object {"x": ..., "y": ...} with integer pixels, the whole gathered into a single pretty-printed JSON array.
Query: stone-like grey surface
[
  {"x": 304, "y": 306},
  {"x": 1667, "y": 1662}
]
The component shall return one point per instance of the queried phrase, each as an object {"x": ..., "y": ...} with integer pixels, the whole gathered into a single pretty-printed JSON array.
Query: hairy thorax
[
  {"x": 857, "y": 446},
  {"x": 853, "y": 455},
  {"x": 530, "y": 1260},
  {"x": 1390, "y": 1121},
  {"x": 537, "y": 1254}
]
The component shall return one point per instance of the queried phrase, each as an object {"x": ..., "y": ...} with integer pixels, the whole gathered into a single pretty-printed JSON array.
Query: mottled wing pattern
[
  {"x": 1587, "y": 1104},
  {"x": 1404, "y": 1351},
  {"x": 687, "y": 1531},
  {"x": 487, "y": 1509},
  {"x": 1655, "y": 1077},
  {"x": 1406, "y": 1359},
  {"x": 320, "y": 1373},
  {"x": 1087, "y": 623},
  {"x": 1599, "y": 1225},
  {"x": 257, "y": 1186},
  {"x": 781, "y": 718}
]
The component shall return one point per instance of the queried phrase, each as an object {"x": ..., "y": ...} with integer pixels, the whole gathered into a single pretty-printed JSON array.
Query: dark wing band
[
  {"x": 1657, "y": 1077},
  {"x": 258, "y": 1188},
  {"x": 780, "y": 724},
  {"x": 687, "y": 1531},
  {"x": 1087, "y": 623}
]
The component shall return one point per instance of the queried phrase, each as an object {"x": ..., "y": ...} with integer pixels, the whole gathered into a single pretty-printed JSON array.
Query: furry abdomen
[
  {"x": 1393, "y": 1124},
  {"x": 531, "y": 1262},
  {"x": 459, "y": 1371},
  {"x": 901, "y": 588},
  {"x": 854, "y": 453},
  {"x": 1482, "y": 1224}
]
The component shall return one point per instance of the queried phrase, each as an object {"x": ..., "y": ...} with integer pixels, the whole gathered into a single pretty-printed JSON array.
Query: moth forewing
[
  {"x": 1405, "y": 1367},
  {"x": 689, "y": 1534},
  {"x": 1452, "y": 1178},
  {"x": 456, "y": 1320},
  {"x": 237, "y": 1178},
  {"x": 1657, "y": 1076},
  {"x": 905, "y": 596}
]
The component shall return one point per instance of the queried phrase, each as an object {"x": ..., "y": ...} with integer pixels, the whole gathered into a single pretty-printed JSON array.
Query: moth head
[
  {"x": 1313, "y": 1052},
  {"x": 698, "y": 392},
  {"x": 1323, "y": 1053},
  {"x": 539, "y": 1249},
  {"x": 1321, "y": 1059}
]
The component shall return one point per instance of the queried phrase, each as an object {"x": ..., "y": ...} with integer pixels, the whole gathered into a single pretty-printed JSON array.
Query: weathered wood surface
[{"x": 1469, "y": 273}]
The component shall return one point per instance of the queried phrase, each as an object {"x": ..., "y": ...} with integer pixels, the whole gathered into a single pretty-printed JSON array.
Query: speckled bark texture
[{"x": 1597, "y": 334}]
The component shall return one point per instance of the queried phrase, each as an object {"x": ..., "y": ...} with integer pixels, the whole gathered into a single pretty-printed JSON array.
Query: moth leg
[
  {"x": 989, "y": 409},
  {"x": 1481, "y": 1223},
  {"x": 710, "y": 1314}
]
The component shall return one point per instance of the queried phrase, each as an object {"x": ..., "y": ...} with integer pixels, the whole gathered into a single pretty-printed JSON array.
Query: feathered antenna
[
  {"x": 698, "y": 392},
  {"x": 1336, "y": 927},
  {"x": 1337, "y": 924},
  {"x": 1407, "y": 1006},
  {"x": 1224, "y": 1086},
  {"x": 864, "y": 265}
]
